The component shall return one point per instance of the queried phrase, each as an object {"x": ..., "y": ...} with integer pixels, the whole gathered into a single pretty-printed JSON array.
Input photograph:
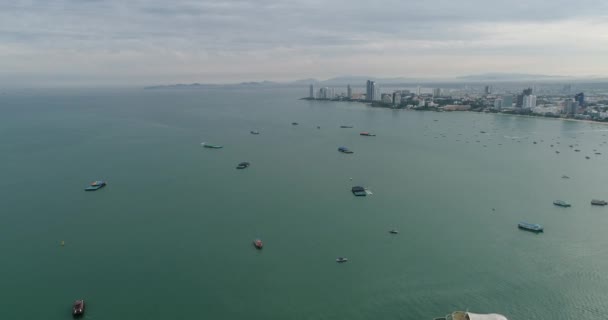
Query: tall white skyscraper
[
  {"x": 418, "y": 90},
  {"x": 529, "y": 102},
  {"x": 349, "y": 92},
  {"x": 311, "y": 94}
]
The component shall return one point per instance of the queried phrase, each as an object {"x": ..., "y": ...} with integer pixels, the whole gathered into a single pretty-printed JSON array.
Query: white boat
[{"x": 465, "y": 315}]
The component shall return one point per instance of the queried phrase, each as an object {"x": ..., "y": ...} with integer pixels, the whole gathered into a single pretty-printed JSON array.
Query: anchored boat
[
  {"x": 534, "y": 227},
  {"x": 258, "y": 244},
  {"x": 465, "y": 315},
  {"x": 344, "y": 150},
  {"x": 598, "y": 202},
  {"x": 78, "y": 308},
  {"x": 359, "y": 191},
  {"x": 211, "y": 146},
  {"x": 95, "y": 185},
  {"x": 367, "y": 134},
  {"x": 561, "y": 203}
]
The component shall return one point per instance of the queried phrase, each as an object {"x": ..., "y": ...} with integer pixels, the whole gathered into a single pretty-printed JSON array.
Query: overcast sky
[{"x": 154, "y": 41}]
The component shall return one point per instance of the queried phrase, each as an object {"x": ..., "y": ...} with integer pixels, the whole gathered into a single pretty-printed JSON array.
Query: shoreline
[{"x": 371, "y": 104}]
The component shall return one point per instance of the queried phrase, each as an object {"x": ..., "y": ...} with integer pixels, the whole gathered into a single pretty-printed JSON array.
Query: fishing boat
[
  {"x": 243, "y": 165},
  {"x": 534, "y": 227},
  {"x": 561, "y": 203},
  {"x": 598, "y": 202},
  {"x": 254, "y": 132},
  {"x": 341, "y": 260},
  {"x": 359, "y": 191},
  {"x": 258, "y": 244},
  {"x": 294, "y": 123},
  {"x": 346, "y": 127},
  {"x": 78, "y": 308},
  {"x": 393, "y": 231},
  {"x": 211, "y": 146},
  {"x": 344, "y": 150},
  {"x": 95, "y": 185},
  {"x": 465, "y": 315},
  {"x": 367, "y": 134}
]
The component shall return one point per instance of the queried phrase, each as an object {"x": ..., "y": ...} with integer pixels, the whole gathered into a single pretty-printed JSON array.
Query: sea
[{"x": 170, "y": 236}]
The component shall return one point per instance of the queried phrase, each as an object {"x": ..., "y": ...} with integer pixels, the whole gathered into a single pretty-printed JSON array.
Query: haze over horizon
[{"x": 72, "y": 42}]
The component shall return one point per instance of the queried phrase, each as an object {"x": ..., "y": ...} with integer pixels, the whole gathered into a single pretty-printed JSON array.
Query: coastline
[{"x": 380, "y": 105}]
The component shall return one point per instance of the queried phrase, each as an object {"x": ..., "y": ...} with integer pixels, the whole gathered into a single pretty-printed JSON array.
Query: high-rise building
[
  {"x": 436, "y": 92},
  {"x": 387, "y": 98},
  {"x": 418, "y": 91},
  {"x": 396, "y": 98},
  {"x": 370, "y": 92},
  {"x": 325, "y": 93},
  {"x": 570, "y": 106},
  {"x": 349, "y": 92},
  {"x": 521, "y": 97},
  {"x": 580, "y": 98},
  {"x": 498, "y": 104},
  {"x": 507, "y": 101},
  {"x": 311, "y": 94},
  {"x": 529, "y": 102},
  {"x": 487, "y": 89},
  {"x": 377, "y": 95}
]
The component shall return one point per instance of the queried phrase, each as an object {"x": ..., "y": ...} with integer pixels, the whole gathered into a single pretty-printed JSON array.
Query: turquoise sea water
[{"x": 170, "y": 237}]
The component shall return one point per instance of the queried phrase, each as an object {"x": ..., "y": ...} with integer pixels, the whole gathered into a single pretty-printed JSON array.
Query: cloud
[{"x": 160, "y": 41}]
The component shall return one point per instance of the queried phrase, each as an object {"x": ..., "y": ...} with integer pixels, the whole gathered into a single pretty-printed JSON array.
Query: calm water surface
[{"x": 170, "y": 237}]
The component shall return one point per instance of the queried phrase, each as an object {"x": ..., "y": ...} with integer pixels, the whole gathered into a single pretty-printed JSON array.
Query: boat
[
  {"x": 359, "y": 191},
  {"x": 78, "y": 308},
  {"x": 346, "y": 127},
  {"x": 565, "y": 177},
  {"x": 254, "y": 132},
  {"x": 344, "y": 150},
  {"x": 367, "y": 134},
  {"x": 465, "y": 315},
  {"x": 587, "y": 157},
  {"x": 556, "y": 151},
  {"x": 561, "y": 203},
  {"x": 534, "y": 227},
  {"x": 243, "y": 165},
  {"x": 598, "y": 202},
  {"x": 294, "y": 123},
  {"x": 577, "y": 150},
  {"x": 211, "y": 146},
  {"x": 258, "y": 244},
  {"x": 341, "y": 260},
  {"x": 95, "y": 185},
  {"x": 393, "y": 231}
]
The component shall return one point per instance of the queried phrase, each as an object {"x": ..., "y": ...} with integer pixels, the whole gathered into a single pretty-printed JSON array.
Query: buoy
[{"x": 62, "y": 243}]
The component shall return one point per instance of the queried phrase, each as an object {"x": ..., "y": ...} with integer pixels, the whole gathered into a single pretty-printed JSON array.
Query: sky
[{"x": 136, "y": 42}]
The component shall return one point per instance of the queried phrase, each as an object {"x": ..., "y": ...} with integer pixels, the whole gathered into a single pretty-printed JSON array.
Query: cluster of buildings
[{"x": 526, "y": 102}]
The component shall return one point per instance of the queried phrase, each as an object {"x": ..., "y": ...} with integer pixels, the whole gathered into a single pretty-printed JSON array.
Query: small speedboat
[
  {"x": 258, "y": 244},
  {"x": 78, "y": 308},
  {"x": 561, "y": 203},
  {"x": 254, "y": 132},
  {"x": 95, "y": 185},
  {"x": 565, "y": 177},
  {"x": 243, "y": 165},
  {"x": 294, "y": 123},
  {"x": 345, "y": 150},
  {"x": 598, "y": 202},
  {"x": 393, "y": 231},
  {"x": 534, "y": 227},
  {"x": 367, "y": 134},
  {"x": 346, "y": 127},
  {"x": 341, "y": 260},
  {"x": 211, "y": 146}
]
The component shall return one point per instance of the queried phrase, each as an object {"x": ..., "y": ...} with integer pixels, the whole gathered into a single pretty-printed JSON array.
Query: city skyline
[{"x": 141, "y": 43}]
